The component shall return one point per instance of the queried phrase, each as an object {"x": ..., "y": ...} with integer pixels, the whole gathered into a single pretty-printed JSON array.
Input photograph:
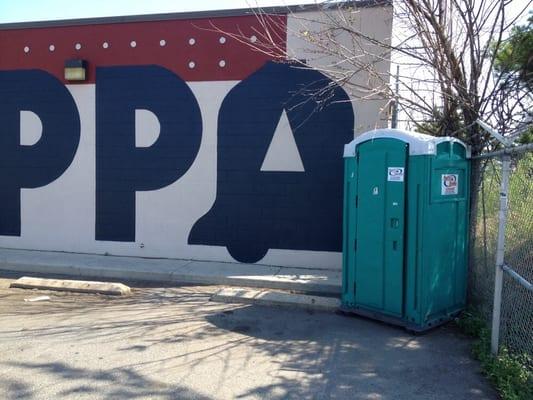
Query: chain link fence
[{"x": 516, "y": 317}]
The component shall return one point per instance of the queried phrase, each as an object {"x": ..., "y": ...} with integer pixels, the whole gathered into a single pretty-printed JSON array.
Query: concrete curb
[
  {"x": 167, "y": 271},
  {"x": 273, "y": 298},
  {"x": 109, "y": 288}
]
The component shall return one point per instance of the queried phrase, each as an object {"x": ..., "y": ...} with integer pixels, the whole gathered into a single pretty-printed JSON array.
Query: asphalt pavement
[{"x": 174, "y": 343}]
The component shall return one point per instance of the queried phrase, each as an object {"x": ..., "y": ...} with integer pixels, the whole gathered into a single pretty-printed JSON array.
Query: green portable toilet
[{"x": 406, "y": 198}]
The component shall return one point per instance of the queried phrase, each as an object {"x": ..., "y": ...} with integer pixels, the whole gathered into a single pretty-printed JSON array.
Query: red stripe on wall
[{"x": 195, "y": 49}]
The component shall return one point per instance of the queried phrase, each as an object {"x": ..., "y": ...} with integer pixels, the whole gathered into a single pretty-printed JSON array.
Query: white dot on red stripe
[
  {"x": 26, "y": 49},
  {"x": 192, "y": 41},
  {"x": 253, "y": 38},
  {"x": 133, "y": 43},
  {"x": 162, "y": 42},
  {"x": 222, "y": 63},
  {"x": 222, "y": 40},
  {"x": 77, "y": 46},
  {"x": 105, "y": 45},
  {"x": 192, "y": 64},
  {"x": 51, "y": 47}
]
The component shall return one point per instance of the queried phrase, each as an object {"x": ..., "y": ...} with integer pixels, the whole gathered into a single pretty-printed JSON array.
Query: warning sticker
[
  {"x": 449, "y": 184},
  {"x": 395, "y": 174}
]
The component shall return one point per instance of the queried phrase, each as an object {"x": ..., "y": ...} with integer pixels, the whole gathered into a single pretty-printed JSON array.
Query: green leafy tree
[
  {"x": 515, "y": 56},
  {"x": 513, "y": 68}
]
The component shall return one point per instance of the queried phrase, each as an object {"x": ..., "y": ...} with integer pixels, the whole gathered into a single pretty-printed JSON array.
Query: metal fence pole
[{"x": 500, "y": 249}]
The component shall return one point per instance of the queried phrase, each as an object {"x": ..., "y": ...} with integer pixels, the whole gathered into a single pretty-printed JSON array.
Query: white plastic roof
[{"x": 419, "y": 143}]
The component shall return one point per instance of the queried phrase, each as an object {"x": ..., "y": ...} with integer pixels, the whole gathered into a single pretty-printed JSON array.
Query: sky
[
  {"x": 38, "y": 10},
  {"x": 42, "y": 10}
]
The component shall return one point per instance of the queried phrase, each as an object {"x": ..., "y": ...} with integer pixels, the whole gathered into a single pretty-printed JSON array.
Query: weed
[{"x": 511, "y": 374}]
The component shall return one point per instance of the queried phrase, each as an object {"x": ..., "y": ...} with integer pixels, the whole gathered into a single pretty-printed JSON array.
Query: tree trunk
[{"x": 476, "y": 176}]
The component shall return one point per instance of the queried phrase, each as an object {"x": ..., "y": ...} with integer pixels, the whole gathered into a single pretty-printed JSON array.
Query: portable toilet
[{"x": 406, "y": 201}]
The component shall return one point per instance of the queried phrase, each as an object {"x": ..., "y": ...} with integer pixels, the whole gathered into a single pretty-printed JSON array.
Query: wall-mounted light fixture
[{"x": 75, "y": 70}]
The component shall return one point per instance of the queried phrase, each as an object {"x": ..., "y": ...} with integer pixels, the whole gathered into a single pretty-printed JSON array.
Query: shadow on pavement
[
  {"x": 117, "y": 383},
  {"x": 174, "y": 343}
]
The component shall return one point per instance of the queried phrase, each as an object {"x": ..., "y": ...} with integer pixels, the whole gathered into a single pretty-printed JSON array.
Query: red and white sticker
[{"x": 449, "y": 184}]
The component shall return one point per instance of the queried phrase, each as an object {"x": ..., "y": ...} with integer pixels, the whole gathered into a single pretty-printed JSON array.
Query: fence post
[{"x": 500, "y": 249}]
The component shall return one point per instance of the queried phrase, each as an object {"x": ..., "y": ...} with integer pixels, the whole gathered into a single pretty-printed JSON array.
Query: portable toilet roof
[{"x": 419, "y": 143}]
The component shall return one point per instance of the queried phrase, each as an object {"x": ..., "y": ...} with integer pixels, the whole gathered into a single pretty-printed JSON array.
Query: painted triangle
[{"x": 283, "y": 154}]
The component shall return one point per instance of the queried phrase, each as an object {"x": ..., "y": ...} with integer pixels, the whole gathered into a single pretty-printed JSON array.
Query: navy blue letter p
[
  {"x": 23, "y": 166},
  {"x": 121, "y": 167}
]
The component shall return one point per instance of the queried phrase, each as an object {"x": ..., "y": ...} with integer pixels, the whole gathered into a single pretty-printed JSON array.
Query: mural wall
[{"x": 181, "y": 143}]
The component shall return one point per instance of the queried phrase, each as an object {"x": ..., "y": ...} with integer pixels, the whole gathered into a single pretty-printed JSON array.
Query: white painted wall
[
  {"x": 61, "y": 215},
  {"x": 375, "y": 22}
]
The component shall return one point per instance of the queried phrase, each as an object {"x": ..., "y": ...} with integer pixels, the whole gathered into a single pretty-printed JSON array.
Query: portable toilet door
[
  {"x": 374, "y": 236},
  {"x": 378, "y": 243}
]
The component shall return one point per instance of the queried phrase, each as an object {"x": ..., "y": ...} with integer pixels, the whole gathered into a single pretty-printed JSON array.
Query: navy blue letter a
[{"x": 257, "y": 210}]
